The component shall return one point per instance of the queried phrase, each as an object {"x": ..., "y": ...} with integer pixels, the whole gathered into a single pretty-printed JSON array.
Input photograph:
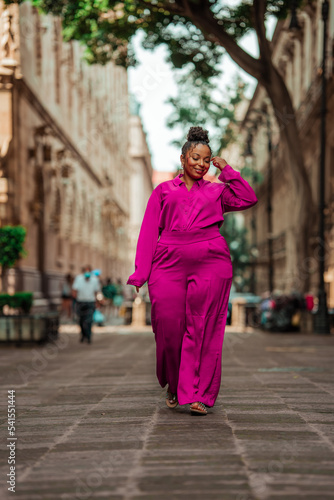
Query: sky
[{"x": 152, "y": 82}]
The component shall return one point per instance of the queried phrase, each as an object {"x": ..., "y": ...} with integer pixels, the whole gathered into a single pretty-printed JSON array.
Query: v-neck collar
[{"x": 178, "y": 181}]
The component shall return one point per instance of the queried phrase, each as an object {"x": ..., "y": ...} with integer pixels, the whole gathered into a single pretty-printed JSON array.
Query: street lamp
[{"x": 321, "y": 323}]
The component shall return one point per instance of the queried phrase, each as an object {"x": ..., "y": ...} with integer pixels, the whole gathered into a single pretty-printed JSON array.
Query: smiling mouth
[{"x": 199, "y": 170}]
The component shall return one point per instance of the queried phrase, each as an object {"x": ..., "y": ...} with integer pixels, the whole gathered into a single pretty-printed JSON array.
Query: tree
[
  {"x": 236, "y": 238},
  {"x": 11, "y": 247},
  {"x": 198, "y": 32},
  {"x": 206, "y": 105}
]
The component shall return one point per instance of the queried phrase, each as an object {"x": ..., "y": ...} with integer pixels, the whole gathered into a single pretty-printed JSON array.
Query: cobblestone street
[{"x": 92, "y": 421}]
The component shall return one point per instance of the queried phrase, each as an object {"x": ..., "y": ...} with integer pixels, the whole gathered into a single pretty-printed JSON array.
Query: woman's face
[{"x": 197, "y": 161}]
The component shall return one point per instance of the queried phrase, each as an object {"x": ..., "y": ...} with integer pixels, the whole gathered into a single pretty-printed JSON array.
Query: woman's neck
[{"x": 189, "y": 182}]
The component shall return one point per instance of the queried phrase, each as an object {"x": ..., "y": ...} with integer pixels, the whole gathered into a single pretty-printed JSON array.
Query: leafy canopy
[
  {"x": 105, "y": 27},
  {"x": 200, "y": 102}
]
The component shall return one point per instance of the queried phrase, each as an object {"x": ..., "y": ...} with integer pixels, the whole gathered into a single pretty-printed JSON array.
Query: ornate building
[
  {"x": 64, "y": 164},
  {"x": 140, "y": 183},
  {"x": 298, "y": 55}
]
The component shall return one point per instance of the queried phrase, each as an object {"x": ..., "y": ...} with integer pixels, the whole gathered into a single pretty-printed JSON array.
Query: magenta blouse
[{"x": 172, "y": 207}]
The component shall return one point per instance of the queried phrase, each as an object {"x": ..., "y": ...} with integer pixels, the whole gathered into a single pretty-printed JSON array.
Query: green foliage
[
  {"x": 109, "y": 291},
  {"x": 200, "y": 103},
  {"x": 20, "y": 300},
  {"x": 252, "y": 176},
  {"x": 11, "y": 245},
  {"x": 236, "y": 238},
  {"x": 106, "y": 27}
]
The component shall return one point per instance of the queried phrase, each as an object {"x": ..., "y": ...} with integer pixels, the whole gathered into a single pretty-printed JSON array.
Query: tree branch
[
  {"x": 191, "y": 12},
  {"x": 259, "y": 9},
  {"x": 214, "y": 32},
  {"x": 186, "y": 7},
  {"x": 167, "y": 5}
]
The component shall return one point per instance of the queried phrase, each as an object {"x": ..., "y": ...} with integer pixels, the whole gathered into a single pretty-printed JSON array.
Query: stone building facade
[
  {"x": 64, "y": 153},
  {"x": 141, "y": 185},
  {"x": 299, "y": 58}
]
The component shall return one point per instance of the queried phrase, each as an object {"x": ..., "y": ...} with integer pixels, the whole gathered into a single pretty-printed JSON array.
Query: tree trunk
[
  {"x": 304, "y": 215},
  {"x": 267, "y": 75}
]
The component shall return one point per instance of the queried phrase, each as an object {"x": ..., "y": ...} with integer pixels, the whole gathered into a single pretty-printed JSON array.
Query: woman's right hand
[{"x": 219, "y": 162}]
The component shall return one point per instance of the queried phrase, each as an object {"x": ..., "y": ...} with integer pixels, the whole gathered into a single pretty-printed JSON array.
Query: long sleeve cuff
[
  {"x": 228, "y": 174},
  {"x": 135, "y": 282},
  {"x": 147, "y": 241},
  {"x": 239, "y": 195}
]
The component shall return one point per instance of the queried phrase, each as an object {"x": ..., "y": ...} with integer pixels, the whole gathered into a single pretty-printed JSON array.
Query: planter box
[{"x": 29, "y": 328}]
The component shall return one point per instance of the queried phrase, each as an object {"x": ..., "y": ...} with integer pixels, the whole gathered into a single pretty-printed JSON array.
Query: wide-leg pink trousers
[{"x": 189, "y": 288}]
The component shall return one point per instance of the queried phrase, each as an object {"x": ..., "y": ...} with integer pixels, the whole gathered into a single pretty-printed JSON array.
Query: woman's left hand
[{"x": 219, "y": 162}]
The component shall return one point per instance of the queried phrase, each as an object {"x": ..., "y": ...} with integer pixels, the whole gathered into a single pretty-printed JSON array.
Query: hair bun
[{"x": 198, "y": 134}]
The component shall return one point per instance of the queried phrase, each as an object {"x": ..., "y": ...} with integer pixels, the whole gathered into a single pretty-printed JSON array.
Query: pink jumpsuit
[{"x": 189, "y": 274}]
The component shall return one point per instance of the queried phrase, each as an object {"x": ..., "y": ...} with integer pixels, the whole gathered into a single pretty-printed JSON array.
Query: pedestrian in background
[
  {"x": 66, "y": 296},
  {"x": 189, "y": 272},
  {"x": 109, "y": 291},
  {"x": 85, "y": 289},
  {"x": 118, "y": 297}
]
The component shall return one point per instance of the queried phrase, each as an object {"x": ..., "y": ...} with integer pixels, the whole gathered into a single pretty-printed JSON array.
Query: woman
[
  {"x": 66, "y": 295},
  {"x": 119, "y": 297},
  {"x": 189, "y": 272}
]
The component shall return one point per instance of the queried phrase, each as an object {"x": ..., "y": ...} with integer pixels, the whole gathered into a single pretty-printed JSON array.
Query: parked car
[{"x": 281, "y": 313}]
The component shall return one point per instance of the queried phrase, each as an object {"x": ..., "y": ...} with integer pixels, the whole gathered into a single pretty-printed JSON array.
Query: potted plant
[{"x": 11, "y": 248}]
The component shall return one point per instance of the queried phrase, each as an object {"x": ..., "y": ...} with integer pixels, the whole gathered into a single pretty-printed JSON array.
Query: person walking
[
  {"x": 66, "y": 295},
  {"x": 188, "y": 268},
  {"x": 85, "y": 288},
  {"x": 118, "y": 298},
  {"x": 109, "y": 291}
]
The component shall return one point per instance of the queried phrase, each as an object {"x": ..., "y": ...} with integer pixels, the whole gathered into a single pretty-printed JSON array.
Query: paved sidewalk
[{"x": 92, "y": 422}]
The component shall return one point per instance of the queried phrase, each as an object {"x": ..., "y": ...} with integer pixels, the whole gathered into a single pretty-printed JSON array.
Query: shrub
[
  {"x": 20, "y": 300},
  {"x": 11, "y": 244},
  {"x": 11, "y": 247}
]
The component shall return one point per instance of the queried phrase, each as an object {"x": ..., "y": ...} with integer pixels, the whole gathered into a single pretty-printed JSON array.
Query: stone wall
[
  {"x": 140, "y": 183},
  {"x": 64, "y": 167}
]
